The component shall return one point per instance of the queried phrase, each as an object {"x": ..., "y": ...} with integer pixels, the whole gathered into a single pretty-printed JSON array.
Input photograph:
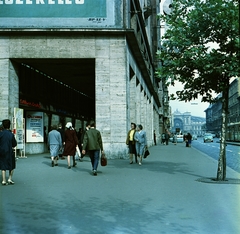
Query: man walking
[{"x": 92, "y": 141}]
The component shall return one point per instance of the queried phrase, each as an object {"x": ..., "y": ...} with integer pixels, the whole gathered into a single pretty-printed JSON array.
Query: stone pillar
[
  {"x": 4, "y": 78},
  {"x": 111, "y": 111},
  {"x": 132, "y": 101}
]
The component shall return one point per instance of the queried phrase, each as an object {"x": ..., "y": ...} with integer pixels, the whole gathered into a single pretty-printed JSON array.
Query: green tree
[{"x": 201, "y": 50}]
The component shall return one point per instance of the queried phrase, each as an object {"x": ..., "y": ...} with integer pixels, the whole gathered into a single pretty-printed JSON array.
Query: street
[{"x": 212, "y": 149}]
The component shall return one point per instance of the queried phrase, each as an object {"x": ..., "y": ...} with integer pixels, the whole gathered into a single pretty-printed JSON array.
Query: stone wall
[{"x": 120, "y": 99}]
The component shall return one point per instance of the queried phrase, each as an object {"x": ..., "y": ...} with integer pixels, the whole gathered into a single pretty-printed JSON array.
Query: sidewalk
[
  {"x": 161, "y": 196},
  {"x": 233, "y": 143}
]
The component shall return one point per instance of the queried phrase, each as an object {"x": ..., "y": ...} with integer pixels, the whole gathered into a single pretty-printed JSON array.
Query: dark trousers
[{"x": 94, "y": 156}]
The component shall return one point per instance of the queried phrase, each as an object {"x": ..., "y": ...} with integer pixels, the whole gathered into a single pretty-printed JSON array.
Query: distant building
[
  {"x": 185, "y": 122},
  {"x": 214, "y": 113}
]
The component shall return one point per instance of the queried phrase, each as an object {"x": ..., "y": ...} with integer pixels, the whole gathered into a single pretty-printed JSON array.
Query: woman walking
[
  {"x": 140, "y": 142},
  {"x": 54, "y": 143},
  {"x": 70, "y": 144}
]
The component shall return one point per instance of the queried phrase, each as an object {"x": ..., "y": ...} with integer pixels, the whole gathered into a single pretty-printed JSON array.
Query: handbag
[
  {"x": 78, "y": 151},
  {"x": 103, "y": 160},
  {"x": 146, "y": 153}
]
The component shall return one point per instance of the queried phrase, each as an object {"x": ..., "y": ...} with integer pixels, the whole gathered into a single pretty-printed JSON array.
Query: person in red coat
[{"x": 70, "y": 144}]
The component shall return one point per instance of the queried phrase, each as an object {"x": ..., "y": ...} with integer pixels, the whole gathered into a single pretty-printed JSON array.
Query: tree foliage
[
  {"x": 200, "y": 47},
  {"x": 201, "y": 50}
]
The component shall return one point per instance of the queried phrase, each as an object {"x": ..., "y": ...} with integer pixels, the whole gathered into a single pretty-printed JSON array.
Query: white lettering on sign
[
  {"x": 50, "y": 2},
  {"x": 8, "y": 1},
  {"x": 40, "y": 2}
]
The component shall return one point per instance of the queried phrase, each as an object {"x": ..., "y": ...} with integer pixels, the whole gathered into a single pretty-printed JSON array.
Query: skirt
[{"x": 54, "y": 150}]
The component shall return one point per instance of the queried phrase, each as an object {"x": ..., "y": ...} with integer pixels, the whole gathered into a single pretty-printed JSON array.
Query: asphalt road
[{"x": 212, "y": 149}]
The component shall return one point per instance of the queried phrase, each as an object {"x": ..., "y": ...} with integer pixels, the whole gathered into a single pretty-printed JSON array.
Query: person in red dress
[{"x": 70, "y": 144}]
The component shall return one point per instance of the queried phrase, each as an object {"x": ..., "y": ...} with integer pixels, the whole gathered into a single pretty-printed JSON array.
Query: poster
[
  {"x": 34, "y": 127},
  {"x": 19, "y": 127}
]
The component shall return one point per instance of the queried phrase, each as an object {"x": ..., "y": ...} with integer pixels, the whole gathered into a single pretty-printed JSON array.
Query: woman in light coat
[
  {"x": 140, "y": 142},
  {"x": 54, "y": 143}
]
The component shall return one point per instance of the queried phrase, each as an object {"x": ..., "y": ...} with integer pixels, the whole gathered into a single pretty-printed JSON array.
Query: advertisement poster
[
  {"x": 34, "y": 127},
  {"x": 19, "y": 127}
]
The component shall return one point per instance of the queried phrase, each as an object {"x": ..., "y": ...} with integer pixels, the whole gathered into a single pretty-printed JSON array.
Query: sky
[{"x": 196, "y": 107}]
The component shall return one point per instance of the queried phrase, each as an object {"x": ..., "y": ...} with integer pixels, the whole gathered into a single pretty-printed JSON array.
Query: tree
[{"x": 201, "y": 50}]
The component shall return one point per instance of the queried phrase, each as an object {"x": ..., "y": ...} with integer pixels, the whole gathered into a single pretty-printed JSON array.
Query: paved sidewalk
[{"x": 161, "y": 196}]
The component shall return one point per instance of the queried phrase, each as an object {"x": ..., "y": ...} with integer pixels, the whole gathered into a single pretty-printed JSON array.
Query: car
[
  {"x": 194, "y": 137},
  {"x": 179, "y": 138},
  {"x": 208, "y": 137}
]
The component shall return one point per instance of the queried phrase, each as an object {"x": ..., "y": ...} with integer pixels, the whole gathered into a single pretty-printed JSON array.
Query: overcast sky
[{"x": 196, "y": 107}]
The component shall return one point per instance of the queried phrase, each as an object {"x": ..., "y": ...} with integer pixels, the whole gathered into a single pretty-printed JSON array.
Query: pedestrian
[
  {"x": 175, "y": 139},
  {"x": 140, "y": 142},
  {"x": 185, "y": 139},
  {"x": 189, "y": 139},
  {"x": 81, "y": 140},
  {"x": 154, "y": 138},
  {"x": 54, "y": 143},
  {"x": 62, "y": 132},
  {"x": 70, "y": 144},
  {"x": 167, "y": 136},
  {"x": 7, "y": 156},
  {"x": 163, "y": 139},
  {"x": 92, "y": 141},
  {"x": 79, "y": 135},
  {"x": 131, "y": 143}
]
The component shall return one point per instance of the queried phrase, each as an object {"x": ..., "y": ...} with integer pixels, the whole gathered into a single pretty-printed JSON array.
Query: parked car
[
  {"x": 194, "y": 137},
  {"x": 179, "y": 138},
  {"x": 208, "y": 137}
]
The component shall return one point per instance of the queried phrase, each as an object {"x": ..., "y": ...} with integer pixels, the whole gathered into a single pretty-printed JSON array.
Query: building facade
[
  {"x": 214, "y": 113},
  {"x": 186, "y": 123},
  {"x": 81, "y": 60}
]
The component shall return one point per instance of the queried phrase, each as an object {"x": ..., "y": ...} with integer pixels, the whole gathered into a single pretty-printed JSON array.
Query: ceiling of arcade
[{"x": 77, "y": 73}]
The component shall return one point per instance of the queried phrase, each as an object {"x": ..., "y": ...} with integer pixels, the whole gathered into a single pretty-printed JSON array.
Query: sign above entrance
[
  {"x": 63, "y": 13},
  {"x": 52, "y": 8}
]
